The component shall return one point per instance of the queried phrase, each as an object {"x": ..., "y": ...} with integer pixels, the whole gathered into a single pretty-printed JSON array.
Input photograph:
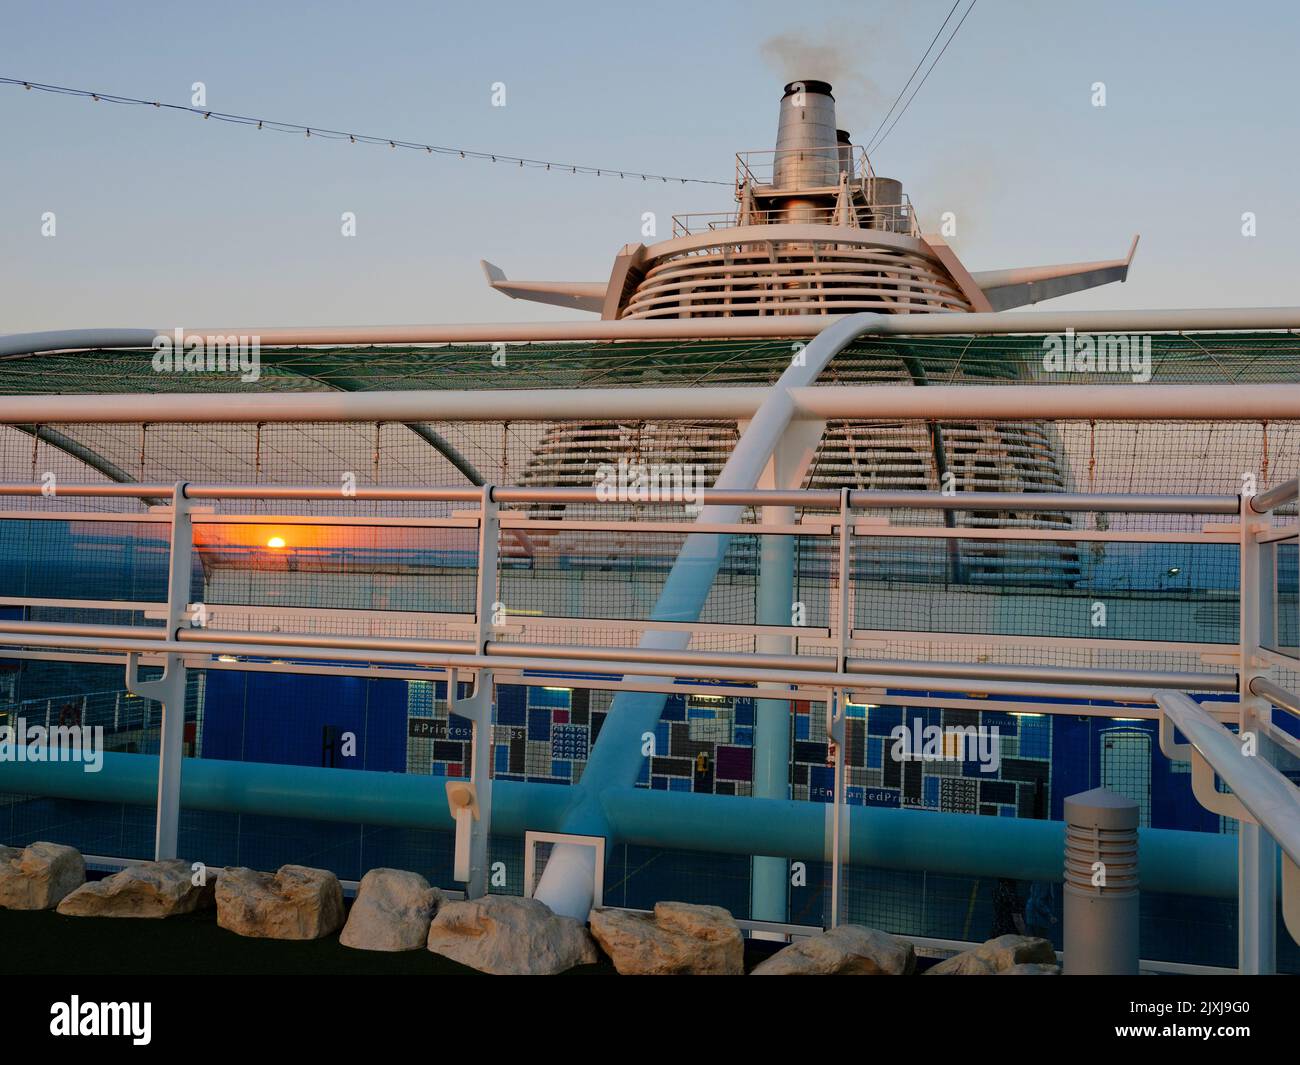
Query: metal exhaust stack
[
  {"x": 844, "y": 140},
  {"x": 807, "y": 147}
]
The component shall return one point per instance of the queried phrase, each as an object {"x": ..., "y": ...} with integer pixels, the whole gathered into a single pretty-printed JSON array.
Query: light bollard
[{"x": 1101, "y": 884}]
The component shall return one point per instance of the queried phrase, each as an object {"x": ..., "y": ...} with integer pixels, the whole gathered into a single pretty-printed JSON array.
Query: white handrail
[{"x": 1266, "y": 794}]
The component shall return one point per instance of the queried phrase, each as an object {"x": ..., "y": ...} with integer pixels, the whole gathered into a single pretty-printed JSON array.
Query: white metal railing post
[
  {"x": 1256, "y": 849},
  {"x": 843, "y": 627},
  {"x": 836, "y": 711},
  {"x": 487, "y": 602},
  {"x": 169, "y": 689},
  {"x": 477, "y": 825},
  {"x": 844, "y": 620}
]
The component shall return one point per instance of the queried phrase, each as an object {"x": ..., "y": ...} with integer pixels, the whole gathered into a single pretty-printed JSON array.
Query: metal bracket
[
  {"x": 158, "y": 690},
  {"x": 470, "y": 802},
  {"x": 462, "y": 801},
  {"x": 1223, "y": 803},
  {"x": 1171, "y": 749},
  {"x": 836, "y": 712},
  {"x": 1217, "y": 802}
]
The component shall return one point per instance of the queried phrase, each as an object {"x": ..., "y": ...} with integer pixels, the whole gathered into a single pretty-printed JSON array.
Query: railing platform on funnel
[
  {"x": 884, "y": 217},
  {"x": 757, "y": 168},
  {"x": 405, "y": 598}
]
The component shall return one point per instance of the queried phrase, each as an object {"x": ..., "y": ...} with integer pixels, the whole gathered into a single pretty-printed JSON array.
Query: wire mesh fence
[
  {"x": 1206, "y": 357},
  {"x": 338, "y": 567},
  {"x": 1136, "y": 591},
  {"x": 1032, "y": 599},
  {"x": 1163, "y": 457}
]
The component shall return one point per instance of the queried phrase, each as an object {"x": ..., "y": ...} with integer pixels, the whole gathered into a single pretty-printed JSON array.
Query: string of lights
[{"x": 278, "y": 126}]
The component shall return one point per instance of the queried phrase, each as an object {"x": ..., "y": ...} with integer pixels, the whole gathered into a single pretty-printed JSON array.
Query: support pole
[
  {"x": 169, "y": 689},
  {"x": 836, "y": 711},
  {"x": 770, "y": 877},
  {"x": 837, "y": 703},
  {"x": 1256, "y": 849},
  {"x": 1257, "y": 900},
  {"x": 1101, "y": 885},
  {"x": 478, "y": 707},
  {"x": 769, "y": 886}
]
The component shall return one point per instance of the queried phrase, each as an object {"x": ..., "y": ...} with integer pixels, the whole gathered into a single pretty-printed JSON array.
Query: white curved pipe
[{"x": 566, "y": 885}]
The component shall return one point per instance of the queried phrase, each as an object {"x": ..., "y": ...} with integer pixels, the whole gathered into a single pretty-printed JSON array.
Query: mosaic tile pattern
[{"x": 705, "y": 744}]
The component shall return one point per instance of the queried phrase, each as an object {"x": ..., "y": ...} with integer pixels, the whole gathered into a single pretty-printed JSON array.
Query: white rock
[
  {"x": 997, "y": 956},
  {"x": 150, "y": 889},
  {"x": 294, "y": 903},
  {"x": 392, "y": 911},
  {"x": 680, "y": 938},
  {"x": 39, "y": 876},
  {"x": 849, "y": 950},
  {"x": 510, "y": 936}
]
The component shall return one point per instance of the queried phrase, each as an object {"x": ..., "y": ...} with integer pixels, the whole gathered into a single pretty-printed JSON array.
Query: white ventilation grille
[
  {"x": 771, "y": 275},
  {"x": 900, "y": 456}
]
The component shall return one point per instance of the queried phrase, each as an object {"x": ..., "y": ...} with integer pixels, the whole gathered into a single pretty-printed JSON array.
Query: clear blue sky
[{"x": 164, "y": 218}]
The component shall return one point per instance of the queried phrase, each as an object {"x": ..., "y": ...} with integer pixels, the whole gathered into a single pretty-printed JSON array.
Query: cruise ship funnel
[{"x": 807, "y": 146}]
